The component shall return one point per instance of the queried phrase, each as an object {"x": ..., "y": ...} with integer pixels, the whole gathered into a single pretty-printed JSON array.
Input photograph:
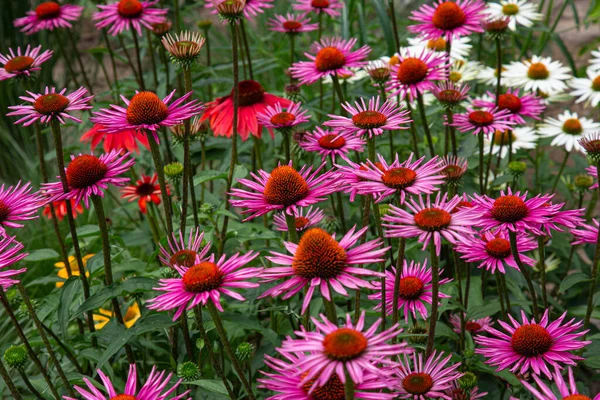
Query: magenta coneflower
[
  {"x": 292, "y": 24},
  {"x": 153, "y": 389},
  {"x": 492, "y": 250},
  {"x": 320, "y": 261},
  {"x": 453, "y": 169},
  {"x": 520, "y": 107},
  {"x": 329, "y": 7},
  {"x": 51, "y": 105},
  {"x": 431, "y": 221},
  {"x": 331, "y": 144},
  {"x": 303, "y": 220},
  {"x": 370, "y": 120},
  {"x": 558, "y": 219},
  {"x": 483, "y": 121},
  {"x": 331, "y": 349},
  {"x": 448, "y": 19},
  {"x": 415, "y": 290},
  {"x": 122, "y": 140},
  {"x": 450, "y": 94},
  {"x": 532, "y": 346},
  {"x": 17, "y": 203},
  {"x": 9, "y": 255},
  {"x": 334, "y": 56},
  {"x": 89, "y": 175},
  {"x": 273, "y": 117},
  {"x": 251, "y": 8},
  {"x": 145, "y": 189},
  {"x": 285, "y": 189},
  {"x": 126, "y": 14},
  {"x": 424, "y": 379},
  {"x": 205, "y": 281},
  {"x": 567, "y": 391},
  {"x": 586, "y": 233},
  {"x": 348, "y": 177},
  {"x": 22, "y": 64},
  {"x": 455, "y": 392},
  {"x": 471, "y": 325},
  {"x": 49, "y": 15},
  {"x": 414, "y": 74},
  {"x": 182, "y": 254}
]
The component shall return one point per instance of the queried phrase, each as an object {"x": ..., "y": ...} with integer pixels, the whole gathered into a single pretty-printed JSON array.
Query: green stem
[
  {"x": 348, "y": 386},
  {"x": 590, "y": 302},
  {"x": 158, "y": 165},
  {"x": 500, "y": 295},
  {"x": 399, "y": 267},
  {"x": 425, "y": 124},
  {"x": 138, "y": 59},
  {"x": 63, "y": 51},
  {"x": 481, "y": 164},
  {"x": 152, "y": 58},
  {"x": 129, "y": 60},
  {"x": 392, "y": 12},
  {"x": 11, "y": 385},
  {"x": 338, "y": 88},
  {"x": 286, "y": 145},
  {"x": 247, "y": 47},
  {"x": 329, "y": 306},
  {"x": 78, "y": 57},
  {"x": 290, "y": 219},
  {"x": 185, "y": 184},
  {"x": 27, "y": 383},
  {"x": 450, "y": 118},
  {"x": 560, "y": 171},
  {"x": 435, "y": 275},
  {"x": 112, "y": 62},
  {"x": 515, "y": 252},
  {"x": 413, "y": 128},
  {"x": 542, "y": 252}
]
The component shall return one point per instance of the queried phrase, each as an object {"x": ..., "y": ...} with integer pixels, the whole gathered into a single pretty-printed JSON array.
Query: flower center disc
[
  {"x": 202, "y": 277},
  {"x": 285, "y": 187},
  {"x": 398, "y": 178},
  {"x": 251, "y": 92},
  {"x": 130, "y": 8},
  {"x": 329, "y": 59},
  {"x": 4, "y": 211},
  {"x": 52, "y": 103},
  {"x": 509, "y": 209},
  {"x": 417, "y": 383},
  {"x": 577, "y": 397},
  {"x": 438, "y": 44},
  {"x": 318, "y": 255},
  {"x": 84, "y": 171},
  {"x": 47, "y": 10},
  {"x": 411, "y": 288},
  {"x": 332, "y": 390},
  {"x": 510, "y": 9},
  {"x": 531, "y": 340},
  {"x": 18, "y": 64},
  {"x": 595, "y": 83},
  {"x": 455, "y": 76},
  {"x": 144, "y": 189},
  {"x": 123, "y": 397},
  {"x": 452, "y": 171},
  {"x": 332, "y": 141},
  {"x": 344, "y": 344},
  {"x": 432, "y": 219},
  {"x": 472, "y": 326},
  {"x": 481, "y": 118},
  {"x": 369, "y": 119},
  {"x": 145, "y": 108},
  {"x": 503, "y": 138},
  {"x": 572, "y": 126},
  {"x": 498, "y": 248},
  {"x": 301, "y": 222},
  {"x": 448, "y": 16},
  {"x": 509, "y": 102},
  {"x": 292, "y": 25},
  {"x": 283, "y": 119},
  {"x": 411, "y": 71},
  {"x": 320, "y": 3},
  {"x": 185, "y": 258},
  {"x": 537, "y": 71}
]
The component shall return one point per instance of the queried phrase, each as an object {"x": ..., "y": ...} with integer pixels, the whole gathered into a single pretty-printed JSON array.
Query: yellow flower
[
  {"x": 62, "y": 272},
  {"x": 130, "y": 317}
]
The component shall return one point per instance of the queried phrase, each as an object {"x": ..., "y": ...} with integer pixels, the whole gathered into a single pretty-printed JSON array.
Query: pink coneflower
[
  {"x": 453, "y": 169},
  {"x": 89, "y": 175},
  {"x": 60, "y": 209},
  {"x": 414, "y": 74},
  {"x": 569, "y": 392},
  {"x": 144, "y": 190},
  {"x": 532, "y": 346},
  {"x": 329, "y": 7},
  {"x": 370, "y": 120},
  {"x": 9, "y": 255},
  {"x": 273, "y": 117},
  {"x": 331, "y": 350},
  {"x": 285, "y": 189},
  {"x": 49, "y": 15},
  {"x": 153, "y": 389},
  {"x": 520, "y": 107},
  {"x": 471, "y": 325},
  {"x": 586, "y": 233},
  {"x": 415, "y": 290},
  {"x": 251, "y": 8},
  {"x": 483, "y": 121},
  {"x": 492, "y": 250},
  {"x": 303, "y": 220},
  {"x": 558, "y": 219},
  {"x": 205, "y": 281},
  {"x": 430, "y": 221},
  {"x": 448, "y": 19},
  {"x": 146, "y": 111},
  {"x": 334, "y": 56},
  {"x": 449, "y": 94},
  {"x": 331, "y": 144},
  {"x": 292, "y": 24},
  {"x": 51, "y": 105},
  {"x": 126, "y": 140},
  {"x": 21, "y": 65},
  {"x": 182, "y": 254},
  {"x": 455, "y": 392},
  {"x": 17, "y": 203},
  {"x": 426, "y": 379},
  {"x": 253, "y": 99},
  {"x": 348, "y": 177},
  {"x": 381, "y": 179},
  {"x": 319, "y": 260},
  {"x": 127, "y": 14}
]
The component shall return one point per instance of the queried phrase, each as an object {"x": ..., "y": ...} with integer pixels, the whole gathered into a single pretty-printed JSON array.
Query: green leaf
[
  {"x": 211, "y": 385},
  {"x": 208, "y": 175},
  {"x": 133, "y": 285},
  {"x": 84, "y": 232},
  {"x": 386, "y": 26},
  {"x": 67, "y": 294},
  {"x": 565, "y": 51},
  {"x": 239, "y": 172},
  {"x": 251, "y": 323},
  {"x": 572, "y": 280},
  {"x": 117, "y": 341},
  {"x": 42, "y": 255}
]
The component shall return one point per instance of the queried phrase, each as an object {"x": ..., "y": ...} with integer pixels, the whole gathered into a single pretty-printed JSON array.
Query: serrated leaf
[{"x": 572, "y": 280}]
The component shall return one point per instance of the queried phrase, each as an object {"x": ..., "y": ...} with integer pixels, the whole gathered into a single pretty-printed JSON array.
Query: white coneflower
[
  {"x": 520, "y": 12},
  {"x": 459, "y": 50},
  {"x": 567, "y": 129},
  {"x": 539, "y": 73},
  {"x": 587, "y": 89},
  {"x": 518, "y": 138}
]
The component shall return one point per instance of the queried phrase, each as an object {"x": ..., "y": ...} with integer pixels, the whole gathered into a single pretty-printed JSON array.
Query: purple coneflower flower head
[
  {"x": 205, "y": 281},
  {"x": 10, "y": 253},
  {"x": 250, "y": 10},
  {"x": 180, "y": 253},
  {"x": 124, "y": 15},
  {"x": 593, "y": 171},
  {"x": 331, "y": 350},
  {"x": 532, "y": 346},
  {"x": 519, "y": 107},
  {"x": 89, "y": 175},
  {"x": 285, "y": 189},
  {"x": 331, "y": 144},
  {"x": 429, "y": 221},
  {"x": 334, "y": 56},
  {"x": 348, "y": 177},
  {"x": 51, "y": 105},
  {"x": 49, "y": 15},
  {"x": 415, "y": 73},
  {"x": 558, "y": 219},
  {"x": 370, "y": 120},
  {"x": 17, "y": 203},
  {"x": 453, "y": 169},
  {"x": 586, "y": 233},
  {"x": 567, "y": 391},
  {"x": 329, "y": 7},
  {"x": 455, "y": 392},
  {"x": 22, "y": 64},
  {"x": 415, "y": 290},
  {"x": 319, "y": 261},
  {"x": 292, "y": 24},
  {"x": 273, "y": 117},
  {"x": 303, "y": 220},
  {"x": 450, "y": 94},
  {"x": 448, "y": 19},
  {"x": 155, "y": 388},
  {"x": 471, "y": 325},
  {"x": 492, "y": 250},
  {"x": 420, "y": 379},
  {"x": 483, "y": 121}
]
